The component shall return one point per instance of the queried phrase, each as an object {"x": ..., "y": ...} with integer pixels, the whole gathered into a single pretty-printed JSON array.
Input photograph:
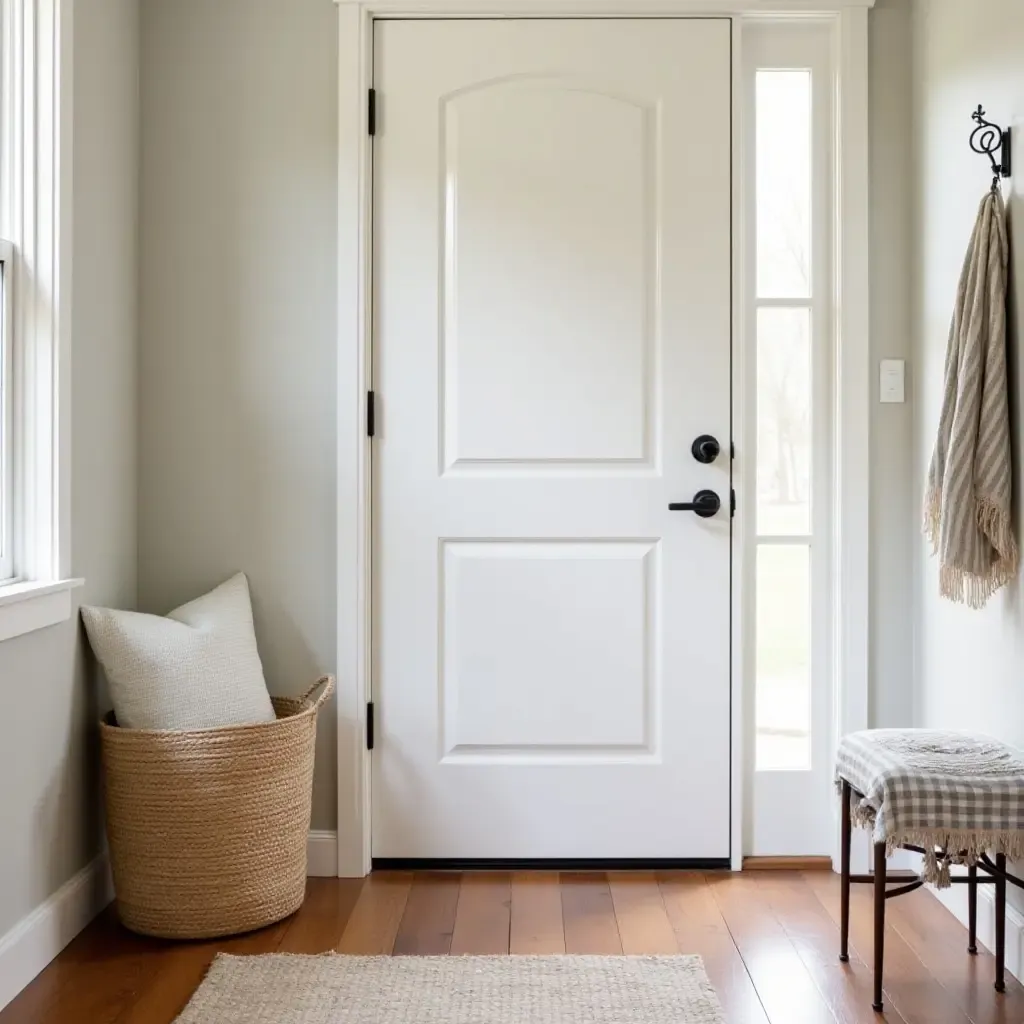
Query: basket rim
[{"x": 311, "y": 709}]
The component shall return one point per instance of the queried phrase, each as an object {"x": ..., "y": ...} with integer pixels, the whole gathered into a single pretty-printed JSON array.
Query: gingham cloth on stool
[{"x": 958, "y": 792}]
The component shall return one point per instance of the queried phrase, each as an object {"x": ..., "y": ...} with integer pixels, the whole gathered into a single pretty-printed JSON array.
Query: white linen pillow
[{"x": 195, "y": 668}]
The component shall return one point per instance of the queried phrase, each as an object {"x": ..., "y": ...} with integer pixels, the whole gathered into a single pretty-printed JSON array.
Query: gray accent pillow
[{"x": 195, "y": 668}]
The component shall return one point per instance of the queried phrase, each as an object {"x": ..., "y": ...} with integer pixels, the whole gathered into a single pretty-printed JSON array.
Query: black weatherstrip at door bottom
[{"x": 551, "y": 864}]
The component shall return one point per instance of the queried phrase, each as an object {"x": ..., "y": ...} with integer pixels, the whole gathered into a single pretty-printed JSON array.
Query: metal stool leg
[
  {"x": 972, "y": 910},
  {"x": 879, "y": 923},
  {"x": 844, "y": 892},
  {"x": 1000, "y": 922}
]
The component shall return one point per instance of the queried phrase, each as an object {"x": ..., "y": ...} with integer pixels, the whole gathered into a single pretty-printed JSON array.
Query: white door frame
[{"x": 852, "y": 385}]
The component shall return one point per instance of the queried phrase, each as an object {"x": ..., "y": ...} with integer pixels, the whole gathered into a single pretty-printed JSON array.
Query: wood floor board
[
  {"x": 785, "y": 987},
  {"x": 429, "y": 919},
  {"x": 171, "y": 987},
  {"x": 769, "y": 941},
  {"x": 373, "y": 924},
  {"x": 536, "y": 925},
  {"x": 847, "y": 988},
  {"x": 181, "y": 968},
  {"x": 640, "y": 914},
  {"x": 910, "y": 988},
  {"x": 589, "y": 914},
  {"x": 483, "y": 917},
  {"x": 940, "y": 943},
  {"x": 320, "y": 922},
  {"x": 700, "y": 928},
  {"x": 96, "y": 978}
]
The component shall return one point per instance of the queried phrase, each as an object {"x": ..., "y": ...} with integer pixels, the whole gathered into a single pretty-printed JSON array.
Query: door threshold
[
  {"x": 551, "y": 863},
  {"x": 787, "y": 863}
]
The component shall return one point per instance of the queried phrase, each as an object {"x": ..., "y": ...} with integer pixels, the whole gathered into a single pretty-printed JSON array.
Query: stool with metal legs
[{"x": 996, "y": 875}]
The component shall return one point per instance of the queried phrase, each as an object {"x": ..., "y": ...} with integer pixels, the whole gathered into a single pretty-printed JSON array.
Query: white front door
[{"x": 552, "y": 331}]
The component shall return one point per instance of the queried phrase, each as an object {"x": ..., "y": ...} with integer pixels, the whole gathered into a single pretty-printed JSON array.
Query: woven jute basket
[{"x": 208, "y": 829}]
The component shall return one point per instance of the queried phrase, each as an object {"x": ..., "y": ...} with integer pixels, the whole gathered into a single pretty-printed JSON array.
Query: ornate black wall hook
[{"x": 989, "y": 138}]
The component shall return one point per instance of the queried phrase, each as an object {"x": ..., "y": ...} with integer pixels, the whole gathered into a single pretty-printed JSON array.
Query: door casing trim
[{"x": 848, "y": 19}]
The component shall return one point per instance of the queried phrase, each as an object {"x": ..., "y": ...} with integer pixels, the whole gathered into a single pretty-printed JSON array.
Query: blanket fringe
[
  {"x": 958, "y": 583},
  {"x": 963, "y": 846},
  {"x": 996, "y": 524}
]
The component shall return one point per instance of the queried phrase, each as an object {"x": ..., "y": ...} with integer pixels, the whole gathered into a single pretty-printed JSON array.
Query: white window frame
[
  {"x": 35, "y": 215},
  {"x": 7, "y": 436},
  {"x": 851, "y": 368},
  {"x": 789, "y": 807}
]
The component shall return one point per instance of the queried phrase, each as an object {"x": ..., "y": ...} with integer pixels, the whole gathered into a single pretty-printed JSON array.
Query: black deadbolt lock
[{"x": 706, "y": 448}]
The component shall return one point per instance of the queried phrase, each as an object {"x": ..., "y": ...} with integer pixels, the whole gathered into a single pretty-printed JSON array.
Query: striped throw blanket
[{"x": 967, "y": 498}]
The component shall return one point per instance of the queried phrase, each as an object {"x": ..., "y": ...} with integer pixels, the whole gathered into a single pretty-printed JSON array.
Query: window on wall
[
  {"x": 7, "y": 399},
  {"x": 35, "y": 210},
  {"x": 789, "y": 284}
]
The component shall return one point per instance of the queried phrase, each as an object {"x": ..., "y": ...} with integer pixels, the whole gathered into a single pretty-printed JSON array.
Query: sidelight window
[{"x": 789, "y": 269}]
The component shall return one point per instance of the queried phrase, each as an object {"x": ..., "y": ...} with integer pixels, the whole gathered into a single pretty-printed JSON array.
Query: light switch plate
[{"x": 891, "y": 378}]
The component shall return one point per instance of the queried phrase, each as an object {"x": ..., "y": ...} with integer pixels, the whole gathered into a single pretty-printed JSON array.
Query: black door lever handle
[{"x": 705, "y": 503}]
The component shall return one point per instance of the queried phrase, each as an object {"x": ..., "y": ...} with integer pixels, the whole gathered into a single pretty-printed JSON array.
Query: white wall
[
  {"x": 893, "y": 514},
  {"x": 970, "y": 664},
  {"x": 237, "y": 340},
  {"x": 49, "y": 820}
]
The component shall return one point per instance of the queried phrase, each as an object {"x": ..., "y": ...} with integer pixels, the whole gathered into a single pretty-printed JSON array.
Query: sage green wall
[
  {"x": 49, "y": 814},
  {"x": 237, "y": 343}
]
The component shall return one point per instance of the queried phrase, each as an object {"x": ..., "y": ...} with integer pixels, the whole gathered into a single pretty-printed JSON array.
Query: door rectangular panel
[
  {"x": 552, "y": 329},
  {"x": 548, "y": 650},
  {"x": 549, "y": 189}
]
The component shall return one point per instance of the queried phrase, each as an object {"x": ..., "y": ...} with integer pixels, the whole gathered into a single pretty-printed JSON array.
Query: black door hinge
[
  {"x": 371, "y": 414},
  {"x": 369, "y": 726},
  {"x": 732, "y": 449},
  {"x": 732, "y": 502},
  {"x": 371, "y": 112}
]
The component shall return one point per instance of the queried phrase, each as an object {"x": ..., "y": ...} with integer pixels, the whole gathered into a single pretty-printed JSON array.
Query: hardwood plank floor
[
  {"x": 968, "y": 979},
  {"x": 769, "y": 941},
  {"x": 377, "y": 915},
  {"x": 536, "y": 925},
  {"x": 641, "y": 915},
  {"x": 910, "y": 988},
  {"x": 589, "y": 914},
  {"x": 429, "y": 920},
  {"x": 700, "y": 928},
  {"x": 846, "y": 988},
  {"x": 483, "y": 916},
  {"x": 784, "y": 985}
]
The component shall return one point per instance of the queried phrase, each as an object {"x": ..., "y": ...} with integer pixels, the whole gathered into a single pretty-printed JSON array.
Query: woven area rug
[{"x": 289, "y": 989}]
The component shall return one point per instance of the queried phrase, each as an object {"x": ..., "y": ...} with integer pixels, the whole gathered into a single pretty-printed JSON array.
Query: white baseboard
[
  {"x": 322, "y": 855},
  {"x": 955, "y": 900},
  {"x": 36, "y": 939},
  {"x": 904, "y": 860}
]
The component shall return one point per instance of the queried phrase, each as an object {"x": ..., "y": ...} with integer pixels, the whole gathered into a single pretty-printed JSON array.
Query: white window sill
[{"x": 26, "y": 607}]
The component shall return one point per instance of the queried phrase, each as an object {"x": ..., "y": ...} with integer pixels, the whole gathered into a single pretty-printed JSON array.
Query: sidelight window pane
[
  {"x": 783, "y": 662},
  {"x": 783, "y": 422},
  {"x": 783, "y": 161}
]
